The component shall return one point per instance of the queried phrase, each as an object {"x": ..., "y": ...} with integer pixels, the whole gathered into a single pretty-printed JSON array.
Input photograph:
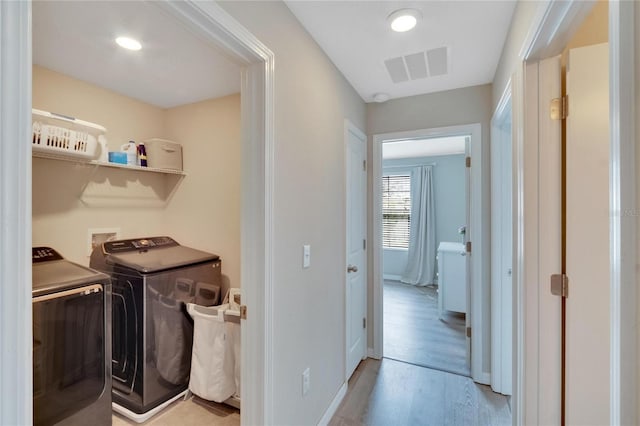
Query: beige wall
[
  {"x": 61, "y": 216},
  {"x": 454, "y": 107},
  {"x": 312, "y": 99},
  {"x": 594, "y": 29},
  {"x": 205, "y": 211},
  {"x": 200, "y": 210}
]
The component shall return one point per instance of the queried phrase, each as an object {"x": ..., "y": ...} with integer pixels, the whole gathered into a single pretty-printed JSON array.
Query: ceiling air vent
[
  {"x": 419, "y": 65},
  {"x": 437, "y": 59},
  {"x": 416, "y": 65},
  {"x": 397, "y": 70}
]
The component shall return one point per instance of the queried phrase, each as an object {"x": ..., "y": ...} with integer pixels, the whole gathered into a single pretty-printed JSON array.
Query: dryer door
[
  {"x": 68, "y": 352},
  {"x": 125, "y": 330}
]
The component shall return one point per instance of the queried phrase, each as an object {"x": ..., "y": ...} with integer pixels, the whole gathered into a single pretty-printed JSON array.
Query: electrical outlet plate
[
  {"x": 306, "y": 256},
  {"x": 306, "y": 381}
]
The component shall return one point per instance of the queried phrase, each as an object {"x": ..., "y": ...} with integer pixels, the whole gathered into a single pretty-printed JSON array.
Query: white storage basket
[{"x": 66, "y": 136}]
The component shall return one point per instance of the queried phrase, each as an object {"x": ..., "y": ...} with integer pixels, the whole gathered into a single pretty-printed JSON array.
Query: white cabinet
[{"x": 452, "y": 278}]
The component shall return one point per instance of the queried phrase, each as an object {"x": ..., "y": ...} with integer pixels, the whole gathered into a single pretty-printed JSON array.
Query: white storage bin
[
  {"x": 66, "y": 136},
  {"x": 163, "y": 154}
]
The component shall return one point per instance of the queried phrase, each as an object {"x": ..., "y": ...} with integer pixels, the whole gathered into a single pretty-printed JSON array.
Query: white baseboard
[
  {"x": 371, "y": 353},
  {"x": 392, "y": 277},
  {"x": 333, "y": 407}
]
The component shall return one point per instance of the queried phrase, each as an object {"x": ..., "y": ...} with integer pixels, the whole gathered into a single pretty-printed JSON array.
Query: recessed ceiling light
[
  {"x": 129, "y": 43},
  {"x": 404, "y": 19}
]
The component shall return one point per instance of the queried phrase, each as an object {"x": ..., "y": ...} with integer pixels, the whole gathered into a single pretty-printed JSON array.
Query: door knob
[{"x": 352, "y": 268}]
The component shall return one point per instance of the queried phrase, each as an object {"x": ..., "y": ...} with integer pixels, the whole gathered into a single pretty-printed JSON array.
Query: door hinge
[
  {"x": 243, "y": 312},
  {"x": 469, "y": 332},
  {"x": 364, "y": 323},
  {"x": 467, "y": 161},
  {"x": 468, "y": 247},
  {"x": 560, "y": 285},
  {"x": 364, "y": 165},
  {"x": 559, "y": 108},
  {"x": 364, "y": 244}
]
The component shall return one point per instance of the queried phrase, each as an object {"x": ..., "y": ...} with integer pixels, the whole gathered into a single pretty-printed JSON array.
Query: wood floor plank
[
  {"x": 415, "y": 333},
  {"x": 394, "y": 393}
]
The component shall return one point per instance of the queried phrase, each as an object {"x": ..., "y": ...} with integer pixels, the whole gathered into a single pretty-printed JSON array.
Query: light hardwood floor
[
  {"x": 389, "y": 392},
  {"x": 414, "y": 332}
]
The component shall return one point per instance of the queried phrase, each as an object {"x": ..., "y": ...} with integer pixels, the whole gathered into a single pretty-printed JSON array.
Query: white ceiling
[
  {"x": 173, "y": 68},
  {"x": 417, "y": 148},
  {"x": 358, "y": 39}
]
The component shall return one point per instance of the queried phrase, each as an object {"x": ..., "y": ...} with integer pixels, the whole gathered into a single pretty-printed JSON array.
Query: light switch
[{"x": 306, "y": 256}]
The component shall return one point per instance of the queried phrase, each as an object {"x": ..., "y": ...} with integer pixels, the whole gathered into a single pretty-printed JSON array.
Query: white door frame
[
  {"x": 16, "y": 386},
  {"x": 217, "y": 26},
  {"x": 622, "y": 198},
  {"x": 477, "y": 236},
  {"x": 550, "y": 30},
  {"x": 499, "y": 138}
]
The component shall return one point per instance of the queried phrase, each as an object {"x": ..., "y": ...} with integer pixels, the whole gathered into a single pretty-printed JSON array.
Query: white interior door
[
  {"x": 356, "y": 267},
  {"x": 501, "y": 255},
  {"x": 587, "y": 236}
]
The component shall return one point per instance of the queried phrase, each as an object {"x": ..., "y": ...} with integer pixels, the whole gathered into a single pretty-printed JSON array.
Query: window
[{"x": 396, "y": 210}]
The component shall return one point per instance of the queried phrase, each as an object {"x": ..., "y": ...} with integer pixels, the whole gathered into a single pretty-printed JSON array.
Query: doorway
[
  {"x": 476, "y": 232},
  {"x": 424, "y": 193},
  {"x": 215, "y": 25}
]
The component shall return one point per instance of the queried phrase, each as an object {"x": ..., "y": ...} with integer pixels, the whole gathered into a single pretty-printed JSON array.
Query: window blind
[{"x": 396, "y": 210}]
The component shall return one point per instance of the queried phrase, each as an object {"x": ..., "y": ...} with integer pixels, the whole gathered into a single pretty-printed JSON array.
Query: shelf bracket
[{"x": 89, "y": 179}]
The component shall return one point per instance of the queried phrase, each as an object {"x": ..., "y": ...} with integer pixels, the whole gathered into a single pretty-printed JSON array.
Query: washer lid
[
  {"x": 160, "y": 258},
  {"x": 59, "y": 275}
]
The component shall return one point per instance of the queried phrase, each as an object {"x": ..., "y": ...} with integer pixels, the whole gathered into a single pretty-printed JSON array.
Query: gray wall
[
  {"x": 509, "y": 60},
  {"x": 312, "y": 99},
  {"x": 449, "y": 108},
  {"x": 637, "y": 171},
  {"x": 449, "y": 199}
]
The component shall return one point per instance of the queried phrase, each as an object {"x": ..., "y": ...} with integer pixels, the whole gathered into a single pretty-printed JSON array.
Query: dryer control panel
[
  {"x": 121, "y": 246},
  {"x": 44, "y": 254}
]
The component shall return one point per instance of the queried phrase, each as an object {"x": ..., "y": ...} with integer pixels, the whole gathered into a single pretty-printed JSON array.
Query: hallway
[
  {"x": 389, "y": 392},
  {"x": 415, "y": 333}
]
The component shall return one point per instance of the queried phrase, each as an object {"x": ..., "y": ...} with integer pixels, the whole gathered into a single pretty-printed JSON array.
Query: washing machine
[
  {"x": 153, "y": 278},
  {"x": 71, "y": 342}
]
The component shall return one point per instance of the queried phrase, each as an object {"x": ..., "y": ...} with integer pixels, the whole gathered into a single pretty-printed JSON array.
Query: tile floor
[{"x": 192, "y": 412}]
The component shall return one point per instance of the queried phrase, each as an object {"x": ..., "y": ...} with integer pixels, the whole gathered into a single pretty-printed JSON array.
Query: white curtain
[{"x": 422, "y": 231}]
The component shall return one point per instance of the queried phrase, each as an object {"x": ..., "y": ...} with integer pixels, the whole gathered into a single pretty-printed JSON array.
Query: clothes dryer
[{"x": 71, "y": 342}]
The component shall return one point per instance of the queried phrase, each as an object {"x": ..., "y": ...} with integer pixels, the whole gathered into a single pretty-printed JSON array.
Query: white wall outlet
[
  {"x": 306, "y": 256},
  {"x": 306, "y": 381}
]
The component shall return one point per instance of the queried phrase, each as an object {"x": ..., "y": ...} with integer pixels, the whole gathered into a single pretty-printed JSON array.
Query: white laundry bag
[{"x": 212, "y": 361}]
